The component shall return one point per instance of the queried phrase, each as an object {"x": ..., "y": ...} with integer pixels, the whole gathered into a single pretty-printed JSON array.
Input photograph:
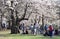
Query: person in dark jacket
[{"x": 46, "y": 31}]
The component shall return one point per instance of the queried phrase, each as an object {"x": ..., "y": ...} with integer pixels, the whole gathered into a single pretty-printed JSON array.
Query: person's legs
[
  {"x": 50, "y": 33},
  {"x": 57, "y": 32},
  {"x": 44, "y": 33},
  {"x": 34, "y": 31},
  {"x": 26, "y": 31}
]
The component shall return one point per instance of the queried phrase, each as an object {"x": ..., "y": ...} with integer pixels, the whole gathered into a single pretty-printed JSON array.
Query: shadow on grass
[{"x": 17, "y": 35}]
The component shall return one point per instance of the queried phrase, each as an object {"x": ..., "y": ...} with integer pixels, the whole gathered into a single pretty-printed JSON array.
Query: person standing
[
  {"x": 56, "y": 30},
  {"x": 46, "y": 30},
  {"x": 50, "y": 30},
  {"x": 32, "y": 30},
  {"x": 36, "y": 28},
  {"x": 23, "y": 28}
]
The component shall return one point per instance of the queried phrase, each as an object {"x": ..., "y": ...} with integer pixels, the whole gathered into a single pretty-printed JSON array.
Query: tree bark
[
  {"x": 15, "y": 23},
  {"x": 42, "y": 22}
]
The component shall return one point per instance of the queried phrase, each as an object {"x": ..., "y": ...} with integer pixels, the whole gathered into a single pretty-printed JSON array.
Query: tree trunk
[
  {"x": 14, "y": 30},
  {"x": 15, "y": 23},
  {"x": 42, "y": 22},
  {"x": 14, "y": 27}
]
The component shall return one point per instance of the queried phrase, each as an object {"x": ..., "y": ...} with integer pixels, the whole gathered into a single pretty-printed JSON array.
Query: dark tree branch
[
  {"x": 23, "y": 17},
  {"x": 25, "y": 11},
  {"x": 39, "y": 19}
]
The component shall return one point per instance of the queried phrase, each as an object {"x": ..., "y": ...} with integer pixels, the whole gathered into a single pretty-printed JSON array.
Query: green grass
[{"x": 7, "y": 35}]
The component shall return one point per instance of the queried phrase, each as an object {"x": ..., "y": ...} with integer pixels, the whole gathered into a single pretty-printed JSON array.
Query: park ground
[{"x": 6, "y": 35}]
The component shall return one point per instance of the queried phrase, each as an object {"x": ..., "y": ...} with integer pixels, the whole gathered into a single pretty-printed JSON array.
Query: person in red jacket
[{"x": 50, "y": 30}]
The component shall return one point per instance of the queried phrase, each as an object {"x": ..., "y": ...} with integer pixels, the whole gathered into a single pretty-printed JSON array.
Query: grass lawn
[{"x": 7, "y": 35}]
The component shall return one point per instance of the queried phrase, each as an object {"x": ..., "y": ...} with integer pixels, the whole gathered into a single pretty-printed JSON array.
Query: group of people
[
  {"x": 49, "y": 30},
  {"x": 36, "y": 29},
  {"x": 23, "y": 28}
]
